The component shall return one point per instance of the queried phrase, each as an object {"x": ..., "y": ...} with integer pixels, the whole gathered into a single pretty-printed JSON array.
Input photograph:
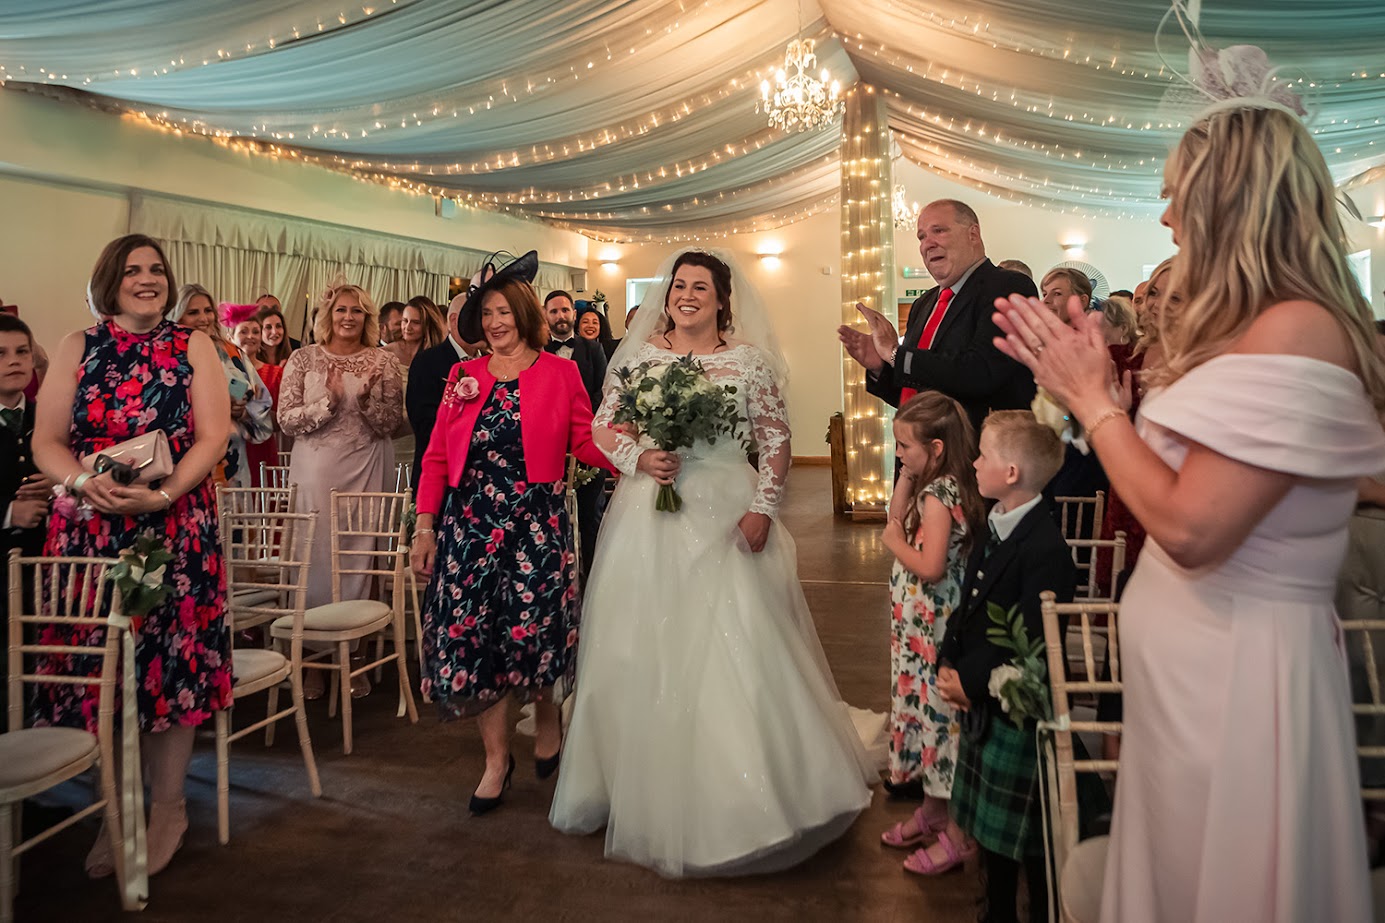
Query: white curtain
[{"x": 239, "y": 254}]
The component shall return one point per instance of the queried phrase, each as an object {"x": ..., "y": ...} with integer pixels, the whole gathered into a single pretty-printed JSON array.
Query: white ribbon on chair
[
  {"x": 1048, "y": 792},
  {"x": 135, "y": 850}
]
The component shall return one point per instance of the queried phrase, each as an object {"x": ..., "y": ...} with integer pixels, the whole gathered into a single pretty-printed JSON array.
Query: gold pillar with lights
[{"x": 867, "y": 277}]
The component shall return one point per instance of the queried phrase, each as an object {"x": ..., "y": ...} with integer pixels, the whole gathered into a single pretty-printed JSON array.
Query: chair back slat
[
  {"x": 1091, "y": 621},
  {"x": 368, "y": 540},
  {"x": 1080, "y": 517},
  {"x": 270, "y": 551},
  {"x": 1085, "y": 555},
  {"x": 70, "y": 593},
  {"x": 274, "y": 475}
]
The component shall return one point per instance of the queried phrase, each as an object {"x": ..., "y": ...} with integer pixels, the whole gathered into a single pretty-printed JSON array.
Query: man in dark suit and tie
[
  {"x": 428, "y": 380},
  {"x": 24, "y": 493},
  {"x": 561, "y": 313},
  {"x": 948, "y": 344}
]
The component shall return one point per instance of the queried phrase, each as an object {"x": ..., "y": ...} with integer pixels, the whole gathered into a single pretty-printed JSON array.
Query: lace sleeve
[
  {"x": 304, "y": 403},
  {"x": 623, "y": 450},
  {"x": 382, "y": 401},
  {"x": 769, "y": 422}
]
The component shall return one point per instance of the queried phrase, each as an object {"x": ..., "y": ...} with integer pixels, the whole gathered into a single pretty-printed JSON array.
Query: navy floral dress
[
  {"x": 129, "y": 384},
  {"x": 501, "y": 611}
]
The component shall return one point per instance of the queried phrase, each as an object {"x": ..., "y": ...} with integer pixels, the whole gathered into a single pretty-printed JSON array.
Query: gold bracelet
[{"x": 1106, "y": 417}]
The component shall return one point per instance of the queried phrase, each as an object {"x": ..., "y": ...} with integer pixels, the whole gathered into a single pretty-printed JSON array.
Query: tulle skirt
[{"x": 707, "y": 735}]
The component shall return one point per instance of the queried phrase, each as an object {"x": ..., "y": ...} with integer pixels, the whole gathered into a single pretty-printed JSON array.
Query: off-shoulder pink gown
[{"x": 1238, "y": 796}]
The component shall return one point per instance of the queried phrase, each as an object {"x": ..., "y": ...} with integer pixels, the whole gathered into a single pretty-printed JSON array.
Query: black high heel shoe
[
  {"x": 479, "y": 805},
  {"x": 545, "y": 766}
]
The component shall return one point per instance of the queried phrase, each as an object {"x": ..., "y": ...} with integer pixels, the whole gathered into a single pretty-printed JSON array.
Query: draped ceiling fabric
[{"x": 636, "y": 119}]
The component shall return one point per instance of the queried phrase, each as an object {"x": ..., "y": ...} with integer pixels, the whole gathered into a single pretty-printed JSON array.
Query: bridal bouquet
[
  {"x": 1021, "y": 685},
  {"x": 673, "y": 405}
]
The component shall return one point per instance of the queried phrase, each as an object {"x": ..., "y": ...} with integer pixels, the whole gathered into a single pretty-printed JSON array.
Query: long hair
[
  {"x": 721, "y": 283},
  {"x": 109, "y": 270},
  {"x": 933, "y": 415},
  {"x": 274, "y": 355},
  {"x": 434, "y": 325},
  {"x": 1259, "y": 226},
  {"x": 322, "y": 326},
  {"x": 185, "y": 295}
]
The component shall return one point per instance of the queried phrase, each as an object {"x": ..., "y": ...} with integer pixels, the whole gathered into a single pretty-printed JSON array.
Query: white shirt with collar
[
  {"x": 565, "y": 351},
  {"x": 20, "y": 405},
  {"x": 957, "y": 286},
  {"x": 1005, "y": 521}
]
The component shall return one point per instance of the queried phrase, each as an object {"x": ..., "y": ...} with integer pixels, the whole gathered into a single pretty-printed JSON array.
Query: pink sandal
[
  {"x": 895, "y": 838},
  {"x": 921, "y": 863}
]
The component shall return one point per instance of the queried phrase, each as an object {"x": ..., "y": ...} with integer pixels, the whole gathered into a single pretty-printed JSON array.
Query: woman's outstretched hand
[{"x": 1072, "y": 363}]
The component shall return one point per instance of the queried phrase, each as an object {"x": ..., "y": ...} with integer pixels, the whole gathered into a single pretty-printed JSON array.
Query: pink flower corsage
[
  {"x": 70, "y": 506},
  {"x": 466, "y": 388}
]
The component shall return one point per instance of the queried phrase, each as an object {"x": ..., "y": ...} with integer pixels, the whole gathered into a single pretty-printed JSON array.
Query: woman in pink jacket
[{"x": 501, "y": 611}]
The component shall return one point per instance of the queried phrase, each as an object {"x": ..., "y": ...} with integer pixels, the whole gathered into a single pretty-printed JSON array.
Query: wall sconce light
[
  {"x": 769, "y": 256},
  {"x": 1376, "y": 221},
  {"x": 1073, "y": 249},
  {"x": 610, "y": 265}
]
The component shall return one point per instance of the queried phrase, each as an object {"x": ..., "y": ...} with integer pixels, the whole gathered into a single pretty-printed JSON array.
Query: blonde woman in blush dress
[
  {"x": 341, "y": 399},
  {"x": 1239, "y": 796}
]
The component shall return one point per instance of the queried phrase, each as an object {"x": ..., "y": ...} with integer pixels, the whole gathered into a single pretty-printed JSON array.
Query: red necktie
[{"x": 930, "y": 330}]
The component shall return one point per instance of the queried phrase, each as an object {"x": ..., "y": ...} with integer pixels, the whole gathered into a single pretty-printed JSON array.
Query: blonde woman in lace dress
[
  {"x": 341, "y": 401},
  {"x": 707, "y": 735}
]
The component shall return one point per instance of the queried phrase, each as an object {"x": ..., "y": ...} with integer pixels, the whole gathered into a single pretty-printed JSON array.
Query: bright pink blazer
[{"x": 555, "y": 414}]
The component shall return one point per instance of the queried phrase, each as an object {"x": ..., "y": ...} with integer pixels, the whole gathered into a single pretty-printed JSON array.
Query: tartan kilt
[{"x": 995, "y": 791}]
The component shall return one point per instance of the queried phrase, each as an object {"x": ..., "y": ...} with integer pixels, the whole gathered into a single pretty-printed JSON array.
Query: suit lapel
[
  {"x": 918, "y": 317},
  {"x": 995, "y": 565},
  {"x": 964, "y": 302}
]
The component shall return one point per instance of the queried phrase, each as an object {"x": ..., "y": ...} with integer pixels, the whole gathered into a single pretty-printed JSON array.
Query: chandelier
[
  {"x": 797, "y": 100},
  {"x": 906, "y": 214}
]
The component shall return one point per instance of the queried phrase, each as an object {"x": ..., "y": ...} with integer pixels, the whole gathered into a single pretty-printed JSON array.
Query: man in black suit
[
  {"x": 24, "y": 493},
  {"x": 561, "y": 314},
  {"x": 948, "y": 344},
  {"x": 428, "y": 380}
]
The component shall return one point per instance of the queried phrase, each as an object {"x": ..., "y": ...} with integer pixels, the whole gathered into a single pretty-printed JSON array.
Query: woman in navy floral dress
[
  {"x": 500, "y": 615},
  {"x": 134, "y": 373}
]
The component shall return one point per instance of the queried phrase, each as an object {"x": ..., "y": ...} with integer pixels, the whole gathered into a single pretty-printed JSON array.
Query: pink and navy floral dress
[
  {"x": 501, "y": 612},
  {"x": 129, "y": 384},
  {"x": 923, "y": 728}
]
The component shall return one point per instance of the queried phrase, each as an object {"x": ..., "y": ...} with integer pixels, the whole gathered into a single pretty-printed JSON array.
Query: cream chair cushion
[
  {"x": 1081, "y": 882},
  {"x": 342, "y": 616},
  {"x": 249, "y": 664},
  {"x": 31, "y": 754}
]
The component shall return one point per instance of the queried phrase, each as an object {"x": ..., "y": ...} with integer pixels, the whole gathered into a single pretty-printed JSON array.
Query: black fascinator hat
[{"x": 501, "y": 266}]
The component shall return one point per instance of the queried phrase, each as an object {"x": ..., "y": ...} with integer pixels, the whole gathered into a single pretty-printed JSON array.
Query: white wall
[
  {"x": 1371, "y": 201},
  {"x": 65, "y": 171},
  {"x": 804, "y": 303}
]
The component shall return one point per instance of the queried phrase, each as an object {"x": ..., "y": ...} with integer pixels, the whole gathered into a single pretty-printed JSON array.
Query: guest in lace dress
[
  {"x": 1239, "y": 795},
  {"x": 341, "y": 399},
  {"x": 248, "y": 334},
  {"x": 133, "y": 373},
  {"x": 251, "y": 406},
  {"x": 501, "y": 610}
]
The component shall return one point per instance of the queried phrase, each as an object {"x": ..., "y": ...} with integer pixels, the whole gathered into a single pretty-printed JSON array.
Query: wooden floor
[{"x": 391, "y": 839}]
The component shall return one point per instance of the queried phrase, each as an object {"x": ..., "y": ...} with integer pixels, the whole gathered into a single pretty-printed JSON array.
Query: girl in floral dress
[
  {"x": 132, "y": 374},
  {"x": 934, "y": 515}
]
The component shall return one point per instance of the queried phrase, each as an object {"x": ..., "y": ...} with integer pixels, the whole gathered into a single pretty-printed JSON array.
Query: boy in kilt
[{"x": 995, "y": 795}]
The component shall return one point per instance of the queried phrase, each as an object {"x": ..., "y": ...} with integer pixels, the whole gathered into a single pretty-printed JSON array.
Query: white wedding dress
[{"x": 707, "y": 735}]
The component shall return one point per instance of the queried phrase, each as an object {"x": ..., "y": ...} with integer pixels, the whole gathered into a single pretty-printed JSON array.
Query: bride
[{"x": 707, "y": 735}]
